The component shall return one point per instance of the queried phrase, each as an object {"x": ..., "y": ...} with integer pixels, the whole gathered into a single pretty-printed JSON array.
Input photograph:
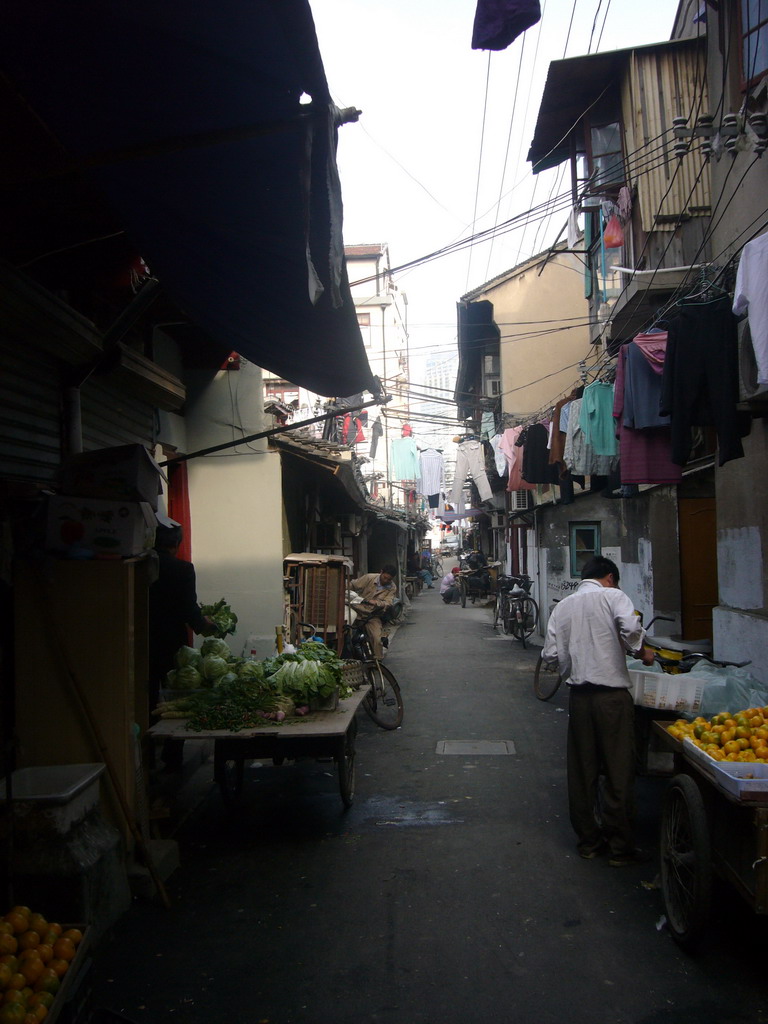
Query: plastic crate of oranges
[{"x": 36, "y": 956}]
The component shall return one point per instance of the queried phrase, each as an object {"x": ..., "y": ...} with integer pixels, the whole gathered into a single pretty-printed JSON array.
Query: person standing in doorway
[
  {"x": 588, "y": 636},
  {"x": 173, "y": 611}
]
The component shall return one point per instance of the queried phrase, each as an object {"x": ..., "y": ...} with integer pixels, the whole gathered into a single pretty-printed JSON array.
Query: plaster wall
[
  {"x": 537, "y": 368},
  {"x": 236, "y": 505},
  {"x": 638, "y": 534}
]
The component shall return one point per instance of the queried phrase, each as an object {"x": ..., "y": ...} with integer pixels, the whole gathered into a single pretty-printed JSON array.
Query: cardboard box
[
  {"x": 124, "y": 473},
  {"x": 743, "y": 780},
  {"x": 681, "y": 693},
  {"x": 91, "y": 528}
]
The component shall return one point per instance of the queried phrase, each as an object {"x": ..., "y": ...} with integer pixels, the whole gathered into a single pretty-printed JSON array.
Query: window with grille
[
  {"x": 754, "y": 40},
  {"x": 585, "y": 544}
]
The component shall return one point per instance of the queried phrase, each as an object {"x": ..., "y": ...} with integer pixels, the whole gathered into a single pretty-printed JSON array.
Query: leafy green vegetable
[
  {"x": 222, "y": 616},
  {"x": 187, "y": 656},
  {"x": 213, "y": 667},
  {"x": 187, "y": 678},
  {"x": 214, "y": 645}
]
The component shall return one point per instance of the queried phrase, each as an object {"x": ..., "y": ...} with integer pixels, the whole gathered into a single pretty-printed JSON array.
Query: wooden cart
[
  {"x": 322, "y": 734},
  {"x": 708, "y": 831}
]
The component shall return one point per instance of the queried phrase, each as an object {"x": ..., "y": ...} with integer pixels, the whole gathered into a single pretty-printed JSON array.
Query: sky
[{"x": 439, "y": 151}]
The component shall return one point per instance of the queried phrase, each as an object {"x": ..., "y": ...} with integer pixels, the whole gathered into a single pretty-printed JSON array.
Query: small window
[
  {"x": 585, "y": 544},
  {"x": 754, "y": 40},
  {"x": 364, "y": 322},
  {"x": 607, "y": 163}
]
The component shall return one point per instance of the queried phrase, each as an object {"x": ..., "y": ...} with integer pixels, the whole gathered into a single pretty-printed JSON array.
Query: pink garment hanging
[{"x": 514, "y": 457}]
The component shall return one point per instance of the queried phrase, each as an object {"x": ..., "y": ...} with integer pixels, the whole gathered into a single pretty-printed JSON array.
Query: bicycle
[
  {"x": 510, "y": 591},
  {"x": 436, "y": 568},
  {"x": 384, "y": 701},
  {"x": 523, "y": 611}
]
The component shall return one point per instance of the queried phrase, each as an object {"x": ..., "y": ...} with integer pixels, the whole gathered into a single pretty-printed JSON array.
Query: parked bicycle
[
  {"x": 515, "y": 610},
  {"x": 384, "y": 702}
]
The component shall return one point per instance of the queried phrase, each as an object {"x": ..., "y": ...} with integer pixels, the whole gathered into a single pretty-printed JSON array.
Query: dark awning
[
  {"x": 574, "y": 87},
  {"x": 188, "y": 117}
]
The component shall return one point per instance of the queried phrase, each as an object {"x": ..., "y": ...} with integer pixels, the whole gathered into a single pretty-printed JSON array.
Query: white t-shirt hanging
[{"x": 751, "y": 297}]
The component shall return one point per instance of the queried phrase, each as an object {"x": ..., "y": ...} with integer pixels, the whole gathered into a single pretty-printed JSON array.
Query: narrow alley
[{"x": 449, "y": 892}]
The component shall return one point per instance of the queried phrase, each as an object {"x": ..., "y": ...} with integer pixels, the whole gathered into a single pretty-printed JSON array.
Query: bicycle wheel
[
  {"x": 686, "y": 861},
  {"x": 546, "y": 680},
  {"x": 498, "y": 615},
  {"x": 463, "y": 593},
  {"x": 383, "y": 702},
  {"x": 530, "y": 612},
  {"x": 437, "y": 569},
  {"x": 517, "y": 620}
]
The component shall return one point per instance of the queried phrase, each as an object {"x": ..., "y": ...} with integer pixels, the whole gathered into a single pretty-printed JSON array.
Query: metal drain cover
[{"x": 467, "y": 748}]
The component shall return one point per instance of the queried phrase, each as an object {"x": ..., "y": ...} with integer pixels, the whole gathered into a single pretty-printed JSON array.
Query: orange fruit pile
[
  {"x": 35, "y": 954},
  {"x": 742, "y": 736}
]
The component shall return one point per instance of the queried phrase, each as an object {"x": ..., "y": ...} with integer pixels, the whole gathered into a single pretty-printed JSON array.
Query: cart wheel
[
  {"x": 345, "y": 762},
  {"x": 686, "y": 863},
  {"x": 228, "y": 772},
  {"x": 546, "y": 680},
  {"x": 383, "y": 702}
]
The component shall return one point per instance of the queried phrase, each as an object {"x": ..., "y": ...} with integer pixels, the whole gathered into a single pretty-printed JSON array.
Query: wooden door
[{"x": 698, "y": 566}]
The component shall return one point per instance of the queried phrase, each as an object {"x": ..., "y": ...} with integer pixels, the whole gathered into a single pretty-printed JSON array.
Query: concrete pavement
[{"x": 451, "y": 891}]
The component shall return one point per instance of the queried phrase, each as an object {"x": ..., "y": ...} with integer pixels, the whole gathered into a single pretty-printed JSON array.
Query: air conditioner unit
[
  {"x": 497, "y": 520},
  {"x": 749, "y": 389},
  {"x": 519, "y": 501}
]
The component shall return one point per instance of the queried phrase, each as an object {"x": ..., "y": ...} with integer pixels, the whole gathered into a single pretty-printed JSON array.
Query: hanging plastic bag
[{"x": 613, "y": 235}]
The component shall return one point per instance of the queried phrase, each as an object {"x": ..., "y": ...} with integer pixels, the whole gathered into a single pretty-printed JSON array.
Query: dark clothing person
[{"x": 173, "y": 610}]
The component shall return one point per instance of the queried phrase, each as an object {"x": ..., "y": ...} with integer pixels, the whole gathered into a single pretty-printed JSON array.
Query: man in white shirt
[{"x": 588, "y": 635}]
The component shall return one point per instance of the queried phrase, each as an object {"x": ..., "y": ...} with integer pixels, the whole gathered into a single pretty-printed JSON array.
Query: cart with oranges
[{"x": 714, "y": 822}]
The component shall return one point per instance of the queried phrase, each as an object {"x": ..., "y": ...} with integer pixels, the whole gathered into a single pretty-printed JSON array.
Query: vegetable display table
[{"x": 320, "y": 734}]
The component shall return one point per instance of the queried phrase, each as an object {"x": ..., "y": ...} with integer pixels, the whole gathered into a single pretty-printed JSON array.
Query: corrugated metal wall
[
  {"x": 31, "y": 421},
  {"x": 663, "y": 84},
  {"x": 111, "y": 417}
]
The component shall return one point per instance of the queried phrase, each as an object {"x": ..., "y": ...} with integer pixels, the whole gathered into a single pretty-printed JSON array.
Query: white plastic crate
[
  {"x": 681, "y": 693},
  {"x": 743, "y": 780}
]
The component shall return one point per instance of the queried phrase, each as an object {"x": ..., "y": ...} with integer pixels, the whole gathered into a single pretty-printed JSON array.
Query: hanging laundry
[
  {"x": 642, "y": 365},
  {"x": 645, "y": 452},
  {"x": 536, "y": 466},
  {"x": 498, "y": 455},
  {"x": 597, "y": 418},
  {"x": 487, "y": 425},
  {"x": 404, "y": 458},
  {"x": 431, "y": 475},
  {"x": 377, "y": 431},
  {"x": 700, "y": 379},
  {"x": 514, "y": 457},
  {"x": 498, "y": 23},
  {"x": 579, "y": 456},
  {"x": 751, "y": 297},
  {"x": 470, "y": 461},
  {"x": 557, "y": 434}
]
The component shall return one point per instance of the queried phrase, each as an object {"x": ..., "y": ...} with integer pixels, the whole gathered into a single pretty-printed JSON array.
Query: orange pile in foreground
[
  {"x": 35, "y": 954},
  {"x": 742, "y": 736}
]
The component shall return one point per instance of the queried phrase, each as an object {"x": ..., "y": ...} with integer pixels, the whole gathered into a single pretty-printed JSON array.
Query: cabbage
[
  {"x": 187, "y": 656},
  {"x": 213, "y": 645},
  {"x": 213, "y": 667},
  {"x": 250, "y": 670},
  {"x": 187, "y": 678},
  {"x": 226, "y": 679}
]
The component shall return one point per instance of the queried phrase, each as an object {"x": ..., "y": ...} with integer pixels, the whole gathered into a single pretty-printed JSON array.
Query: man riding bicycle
[{"x": 378, "y": 592}]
